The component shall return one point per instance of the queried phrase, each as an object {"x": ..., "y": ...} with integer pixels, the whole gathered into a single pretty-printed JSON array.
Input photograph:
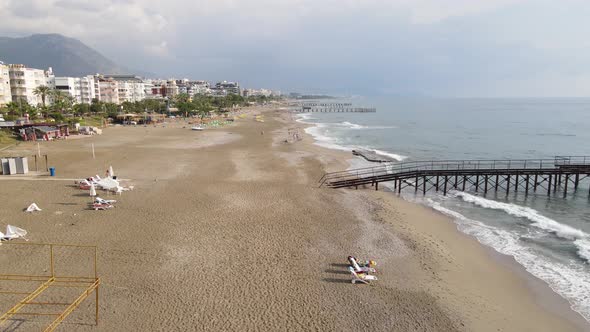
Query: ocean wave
[
  {"x": 540, "y": 221},
  {"x": 303, "y": 117},
  {"x": 397, "y": 157},
  {"x": 568, "y": 280},
  {"x": 583, "y": 246},
  {"x": 320, "y": 134},
  {"x": 351, "y": 125}
]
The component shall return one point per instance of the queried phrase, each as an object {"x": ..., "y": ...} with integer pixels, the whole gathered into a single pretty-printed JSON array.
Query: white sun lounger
[
  {"x": 105, "y": 201},
  {"x": 358, "y": 268},
  {"x": 360, "y": 277},
  {"x": 13, "y": 232}
]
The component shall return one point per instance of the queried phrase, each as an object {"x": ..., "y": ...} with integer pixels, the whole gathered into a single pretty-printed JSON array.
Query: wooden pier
[
  {"x": 330, "y": 105},
  {"x": 559, "y": 175},
  {"x": 309, "y": 109}
]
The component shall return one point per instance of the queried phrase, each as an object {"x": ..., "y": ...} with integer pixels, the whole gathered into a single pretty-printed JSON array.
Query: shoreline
[
  {"x": 540, "y": 290},
  {"x": 240, "y": 208}
]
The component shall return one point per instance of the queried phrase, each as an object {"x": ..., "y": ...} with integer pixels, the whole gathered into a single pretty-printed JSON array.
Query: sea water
[{"x": 549, "y": 236}]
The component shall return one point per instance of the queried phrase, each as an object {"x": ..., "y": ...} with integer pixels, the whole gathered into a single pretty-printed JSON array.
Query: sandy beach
[{"x": 226, "y": 230}]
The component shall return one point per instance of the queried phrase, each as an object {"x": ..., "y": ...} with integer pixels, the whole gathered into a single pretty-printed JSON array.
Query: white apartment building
[
  {"x": 24, "y": 81},
  {"x": 171, "y": 88},
  {"x": 87, "y": 89},
  {"x": 82, "y": 89},
  {"x": 5, "y": 95},
  {"x": 68, "y": 85},
  {"x": 107, "y": 89},
  {"x": 198, "y": 88},
  {"x": 131, "y": 88},
  {"x": 155, "y": 89}
]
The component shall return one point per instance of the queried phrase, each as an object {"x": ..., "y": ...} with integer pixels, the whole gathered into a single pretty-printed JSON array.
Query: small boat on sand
[{"x": 198, "y": 128}]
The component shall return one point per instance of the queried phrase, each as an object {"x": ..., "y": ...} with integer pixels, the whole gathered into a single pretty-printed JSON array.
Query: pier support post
[
  {"x": 464, "y": 181},
  {"x": 536, "y": 183},
  {"x": 497, "y": 182},
  {"x": 476, "y": 183},
  {"x": 567, "y": 179},
  {"x": 576, "y": 181},
  {"x": 549, "y": 186},
  {"x": 526, "y": 190},
  {"x": 424, "y": 186},
  {"x": 437, "y": 182},
  {"x": 456, "y": 183},
  {"x": 445, "y": 188},
  {"x": 376, "y": 186},
  {"x": 556, "y": 179},
  {"x": 416, "y": 184},
  {"x": 507, "y": 185},
  {"x": 485, "y": 187},
  {"x": 399, "y": 187},
  {"x": 516, "y": 183}
]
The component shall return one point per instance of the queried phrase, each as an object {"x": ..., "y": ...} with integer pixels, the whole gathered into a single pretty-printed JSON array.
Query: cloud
[{"x": 454, "y": 47}]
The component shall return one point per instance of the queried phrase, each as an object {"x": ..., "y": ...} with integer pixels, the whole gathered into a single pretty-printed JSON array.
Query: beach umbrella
[
  {"x": 111, "y": 173},
  {"x": 92, "y": 190}
]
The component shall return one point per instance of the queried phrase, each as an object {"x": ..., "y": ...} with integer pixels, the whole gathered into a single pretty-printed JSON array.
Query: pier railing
[{"x": 415, "y": 167}]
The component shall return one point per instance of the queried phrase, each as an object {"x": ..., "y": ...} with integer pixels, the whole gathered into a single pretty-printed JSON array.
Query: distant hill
[{"x": 67, "y": 56}]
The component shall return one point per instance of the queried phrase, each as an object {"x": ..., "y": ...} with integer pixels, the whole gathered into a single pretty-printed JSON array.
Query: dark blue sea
[{"x": 549, "y": 236}]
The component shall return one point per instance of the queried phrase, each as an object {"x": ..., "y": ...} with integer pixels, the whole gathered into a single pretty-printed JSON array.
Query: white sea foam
[
  {"x": 568, "y": 280},
  {"x": 323, "y": 140},
  {"x": 397, "y": 157},
  {"x": 351, "y": 125},
  {"x": 303, "y": 117},
  {"x": 540, "y": 221},
  {"x": 583, "y": 246},
  {"x": 320, "y": 131}
]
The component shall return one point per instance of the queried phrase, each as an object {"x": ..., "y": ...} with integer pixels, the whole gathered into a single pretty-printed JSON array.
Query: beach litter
[
  {"x": 13, "y": 233},
  {"x": 32, "y": 208}
]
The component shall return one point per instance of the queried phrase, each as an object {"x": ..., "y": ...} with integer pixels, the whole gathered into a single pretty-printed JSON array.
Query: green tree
[
  {"x": 43, "y": 91},
  {"x": 81, "y": 109},
  {"x": 62, "y": 102}
]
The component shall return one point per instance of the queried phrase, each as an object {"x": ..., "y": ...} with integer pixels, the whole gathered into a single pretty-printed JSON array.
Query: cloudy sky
[{"x": 466, "y": 48}]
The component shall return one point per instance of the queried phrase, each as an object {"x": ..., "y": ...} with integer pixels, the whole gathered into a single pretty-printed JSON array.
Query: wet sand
[{"x": 227, "y": 230}]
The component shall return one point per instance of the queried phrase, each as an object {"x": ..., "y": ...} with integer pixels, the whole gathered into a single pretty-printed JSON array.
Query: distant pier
[
  {"x": 330, "y": 105},
  {"x": 309, "y": 109}
]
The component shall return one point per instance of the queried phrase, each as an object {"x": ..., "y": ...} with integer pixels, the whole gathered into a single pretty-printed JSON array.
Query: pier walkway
[
  {"x": 308, "y": 109},
  {"x": 561, "y": 173}
]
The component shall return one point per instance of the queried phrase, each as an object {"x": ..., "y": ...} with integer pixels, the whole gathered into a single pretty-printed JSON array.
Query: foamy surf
[
  {"x": 319, "y": 131},
  {"x": 583, "y": 249},
  {"x": 568, "y": 280},
  {"x": 540, "y": 221}
]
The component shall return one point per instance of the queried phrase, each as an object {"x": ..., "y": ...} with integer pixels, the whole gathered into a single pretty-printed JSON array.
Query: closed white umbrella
[
  {"x": 111, "y": 173},
  {"x": 92, "y": 190}
]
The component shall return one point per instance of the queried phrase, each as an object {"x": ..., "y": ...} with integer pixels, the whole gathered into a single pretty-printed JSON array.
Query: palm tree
[
  {"x": 62, "y": 101},
  {"x": 42, "y": 91}
]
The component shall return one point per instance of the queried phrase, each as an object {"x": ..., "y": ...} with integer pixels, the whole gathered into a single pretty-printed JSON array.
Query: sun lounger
[
  {"x": 105, "y": 201},
  {"x": 100, "y": 206},
  {"x": 12, "y": 233},
  {"x": 360, "y": 277},
  {"x": 362, "y": 269}
]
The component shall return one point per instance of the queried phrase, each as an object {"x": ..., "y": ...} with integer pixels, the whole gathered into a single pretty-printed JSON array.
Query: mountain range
[{"x": 67, "y": 56}]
